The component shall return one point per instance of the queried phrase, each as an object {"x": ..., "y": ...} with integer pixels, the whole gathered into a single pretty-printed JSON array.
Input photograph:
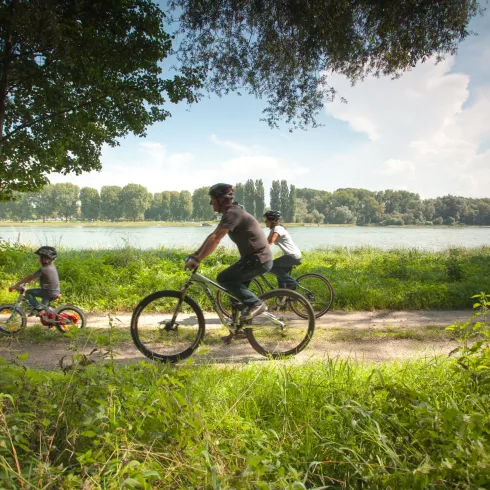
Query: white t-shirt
[{"x": 285, "y": 242}]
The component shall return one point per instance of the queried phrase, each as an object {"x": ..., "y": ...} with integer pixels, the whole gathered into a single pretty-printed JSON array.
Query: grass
[
  {"x": 363, "y": 278},
  {"x": 275, "y": 425}
]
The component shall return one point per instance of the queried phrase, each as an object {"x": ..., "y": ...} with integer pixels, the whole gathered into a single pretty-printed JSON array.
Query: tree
[
  {"x": 110, "y": 203},
  {"x": 200, "y": 203},
  {"x": 66, "y": 199},
  {"x": 45, "y": 202},
  {"x": 75, "y": 76},
  {"x": 275, "y": 196},
  {"x": 89, "y": 203},
  {"x": 292, "y": 204},
  {"x": 249, "y": 202},
  {"x": 22, "y": 207},
  {"x": 240, "y": 193},
  {"x": 174, "y": 206},
  {"x": 185, "y": 205},
  {"x": 301, "y": 210},
  {"x": 284, "y": 200},
  {"x": 134, "y": 201},
  {"x": 282, "y": 51},
  {"x": 340, "y": 216},
  {"x": 259, "y": 198}
]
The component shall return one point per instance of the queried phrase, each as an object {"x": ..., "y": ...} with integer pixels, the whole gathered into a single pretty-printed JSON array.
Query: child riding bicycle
[{"x": 48, "y": 278}]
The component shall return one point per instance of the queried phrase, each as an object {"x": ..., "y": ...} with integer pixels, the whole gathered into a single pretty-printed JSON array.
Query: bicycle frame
[{"x": 206, "y": 284}]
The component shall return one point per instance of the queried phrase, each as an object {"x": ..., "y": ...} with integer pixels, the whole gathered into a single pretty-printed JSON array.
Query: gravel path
[{"x": 360, "y": 324}]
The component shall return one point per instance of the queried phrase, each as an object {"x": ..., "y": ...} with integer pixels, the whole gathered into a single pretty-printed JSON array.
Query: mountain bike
[
  {"x": 314, "y": 287},
  {"x": 169, "y": 325},
  {"x": 13, "y": 317}
]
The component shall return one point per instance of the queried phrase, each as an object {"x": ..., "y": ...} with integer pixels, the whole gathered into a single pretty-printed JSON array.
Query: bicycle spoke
[
  {"x": 166, "y": 328},
  {"x": 318, "y": 291},
  {"x": 11, "y": 320},
  {"x": 280, "y": 331}
]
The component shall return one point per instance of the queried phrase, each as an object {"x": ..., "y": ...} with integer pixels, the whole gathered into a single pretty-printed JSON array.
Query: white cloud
[
  {"x": 150, "y": 165},
  {"x": 231, "y": 145},
  {"x": 422, "y": 132}
]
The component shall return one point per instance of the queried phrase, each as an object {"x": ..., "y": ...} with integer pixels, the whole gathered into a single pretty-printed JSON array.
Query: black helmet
[
  {"x": 222, "y": 190},
  {"x": 273, "y": 215},
  {"x": 46, "y": 251}
]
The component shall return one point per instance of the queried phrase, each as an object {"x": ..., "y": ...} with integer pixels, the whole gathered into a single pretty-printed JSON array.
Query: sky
[{"x": 427, "y": 132}]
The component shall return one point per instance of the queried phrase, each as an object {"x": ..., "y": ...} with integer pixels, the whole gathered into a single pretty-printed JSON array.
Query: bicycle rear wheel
[
  {"x": 280, "y": 332},
  {"x": 318, "y": 291},
  {"x": 166, "y": 327},
  {"x": 224, "y": 301},
  {"x": 67, "y": 316},
  {"x": 12, "y": 319}
]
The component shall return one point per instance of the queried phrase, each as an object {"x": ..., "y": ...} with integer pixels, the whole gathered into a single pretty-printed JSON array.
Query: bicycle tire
[
  {"x": 139, "y": 333},
  {"x": 4, "y": 312},
  {"x": 271, "y": 340},
  {"x": 223, "y": 300},
  {"x": 63, "y": 325},
  {"x": 322, "y": 300}
]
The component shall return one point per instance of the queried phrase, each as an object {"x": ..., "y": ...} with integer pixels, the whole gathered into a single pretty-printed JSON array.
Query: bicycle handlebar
[{"x": 20, "y": 288}]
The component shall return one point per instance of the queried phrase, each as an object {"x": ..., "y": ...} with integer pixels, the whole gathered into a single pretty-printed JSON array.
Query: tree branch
[{"x": 51, "y": 115}]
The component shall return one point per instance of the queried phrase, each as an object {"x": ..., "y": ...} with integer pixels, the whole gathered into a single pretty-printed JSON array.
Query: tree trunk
[{"x": 4, "y": 81}]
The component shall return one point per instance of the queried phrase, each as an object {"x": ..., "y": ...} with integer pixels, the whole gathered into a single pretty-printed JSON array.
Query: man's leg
[{"x": 237, "y": 277}]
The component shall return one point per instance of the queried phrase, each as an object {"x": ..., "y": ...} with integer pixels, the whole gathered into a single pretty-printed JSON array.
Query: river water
[{"x": 306, "y": 237}]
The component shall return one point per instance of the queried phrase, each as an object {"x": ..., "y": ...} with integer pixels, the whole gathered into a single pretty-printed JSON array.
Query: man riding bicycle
[{"x": 255, "y": 255}]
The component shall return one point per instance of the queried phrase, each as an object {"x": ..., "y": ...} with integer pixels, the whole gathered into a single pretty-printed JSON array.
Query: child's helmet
[{"x": 47, "y": 251}]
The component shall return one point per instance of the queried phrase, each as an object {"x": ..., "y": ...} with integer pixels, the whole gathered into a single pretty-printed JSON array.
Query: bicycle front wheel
[
  {"x": 166, "y": 327},
  {"x": 12, "y": 319},
  {"x": 318, "y": 291},
  {"x": 279, "y": 332},
  {"x": 68, "y": 316}
]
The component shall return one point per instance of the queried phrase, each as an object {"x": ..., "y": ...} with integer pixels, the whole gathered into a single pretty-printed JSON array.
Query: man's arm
[
  {"x": 207, "y": 248},
  {"x": 211, "y": 243}
]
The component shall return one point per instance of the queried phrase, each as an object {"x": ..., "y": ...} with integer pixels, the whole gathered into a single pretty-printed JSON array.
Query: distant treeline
[{"x": 344, "y": 206}]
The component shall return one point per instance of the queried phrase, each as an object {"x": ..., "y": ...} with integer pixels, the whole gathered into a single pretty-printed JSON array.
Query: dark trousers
[
  {"x": 33, "y": 294},
  {"x": 282, "y": 267},
  {"x": 237, "y": 277}
]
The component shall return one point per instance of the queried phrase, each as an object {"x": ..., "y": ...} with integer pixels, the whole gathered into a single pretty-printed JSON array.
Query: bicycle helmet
[
  {"x": 46, "y": 251},
  {"x": 222, "y": 190},
  {"x": 273, "y": 215}
]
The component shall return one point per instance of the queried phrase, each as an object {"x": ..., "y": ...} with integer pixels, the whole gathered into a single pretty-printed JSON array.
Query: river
[{"x": 306, "y": 237}]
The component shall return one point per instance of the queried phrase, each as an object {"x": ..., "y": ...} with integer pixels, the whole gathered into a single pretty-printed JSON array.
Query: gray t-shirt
[
  {"x": 246, "y": 233},
  {"x": 285, "y": 242},
  {"x": 48, "y": 278}
]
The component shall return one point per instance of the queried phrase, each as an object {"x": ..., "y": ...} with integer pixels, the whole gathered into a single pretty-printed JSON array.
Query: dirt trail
[{"x": 361, "y": 325}]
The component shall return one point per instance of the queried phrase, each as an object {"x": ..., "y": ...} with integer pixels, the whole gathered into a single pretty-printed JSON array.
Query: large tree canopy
[
  {"x": 74, "y": 75},
  {"x": 283, "y": 50}
]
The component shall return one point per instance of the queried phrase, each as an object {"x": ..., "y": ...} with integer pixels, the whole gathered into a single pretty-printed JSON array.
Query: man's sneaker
[
  {"x": 238, "y": 335},
  {"x": 254, "y": 310}
]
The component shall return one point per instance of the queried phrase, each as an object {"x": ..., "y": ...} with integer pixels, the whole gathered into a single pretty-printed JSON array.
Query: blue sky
[{"x": 427, "y": 132}]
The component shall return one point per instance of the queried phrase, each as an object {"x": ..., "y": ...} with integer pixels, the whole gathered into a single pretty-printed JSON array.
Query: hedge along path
[{"x": 378, "y": 336}]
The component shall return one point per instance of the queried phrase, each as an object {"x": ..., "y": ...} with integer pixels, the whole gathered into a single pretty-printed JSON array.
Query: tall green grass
[
  {"x": 363, "y": 278},
  {"x": 413, "y": 425}
]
